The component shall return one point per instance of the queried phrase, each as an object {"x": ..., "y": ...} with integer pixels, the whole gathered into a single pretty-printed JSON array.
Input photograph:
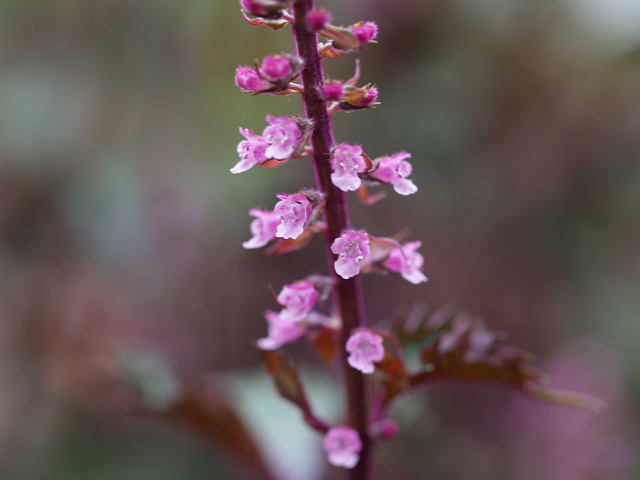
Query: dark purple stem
[{"x": 348, "y": 292}]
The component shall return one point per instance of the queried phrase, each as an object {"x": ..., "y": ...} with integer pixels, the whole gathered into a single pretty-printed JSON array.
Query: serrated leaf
[
  {"x": 463, "y": 349},
  {"x": 325, "y": 343},
  {"x": 288, "y": 384}
]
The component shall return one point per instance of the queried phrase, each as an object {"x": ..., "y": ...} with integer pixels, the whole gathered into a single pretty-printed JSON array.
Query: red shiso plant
[{"x": 454, "y": 346}]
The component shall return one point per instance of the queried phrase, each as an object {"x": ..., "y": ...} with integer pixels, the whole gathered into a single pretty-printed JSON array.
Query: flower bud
[
  {"x": 280, "y": 69},
  {"x": 250, "y": 81},
  {"x": 265, "y": 8},
  {"x": 333, "y": 90},
  {"x": 365, "y": 32},
  {"x": 361, "y": 97},
  {"x": 318, "y": 19}
]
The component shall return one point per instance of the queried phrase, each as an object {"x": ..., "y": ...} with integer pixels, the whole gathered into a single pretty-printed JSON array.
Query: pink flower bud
[
  {"x": 347, "y": 161},
  {"x": 277, "y": 68},
  {"x": 252, "y": 151},
  {"x": 318, "y": 19},
  {"x": 281, "y": 332},
  {"x": 352, "y": 248},
  {"x": 370, "y": 96},
  {"x": 389, "y": 429},
  {"x": 282, "y": 136},
  {"x": 249, "y": 81},
  {"x": 406, "y": 262},
  {"x": 333, "y": 91},
  {"x": 294, "y": 211},
  {"x": 265, "y": 8},
  {"x": 343, "y": 447},
  {"x": 255, "y": 8},
  {"x": 365, "y": 32},
  {"x": 365, "y": 348},
  {"x": 394, "y": 170},
  {"x": 298, "y": 299},
  {"x": 263, "y": 228}
]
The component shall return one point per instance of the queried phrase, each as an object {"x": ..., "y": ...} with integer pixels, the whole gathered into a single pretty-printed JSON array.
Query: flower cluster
[
  {"x": 296, "y": 216},
  {"x": 281, "y": 140}
]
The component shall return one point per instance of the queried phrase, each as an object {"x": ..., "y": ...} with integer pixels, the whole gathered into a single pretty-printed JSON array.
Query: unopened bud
[
  {"x": 318, "y": 19},
  {"x": 265, "y": 8},
  {"x": 365, "y": 32},
  {"x": 333, "y": 91},
  {"x": 249, "y": 81}
]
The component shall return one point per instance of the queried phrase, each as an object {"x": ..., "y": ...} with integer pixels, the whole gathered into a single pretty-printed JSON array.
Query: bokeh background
[{"x": 122, "y": 272}]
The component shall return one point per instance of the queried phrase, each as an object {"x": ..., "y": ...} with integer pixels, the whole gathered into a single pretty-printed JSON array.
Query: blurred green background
[{"x": 121, "y": 229}]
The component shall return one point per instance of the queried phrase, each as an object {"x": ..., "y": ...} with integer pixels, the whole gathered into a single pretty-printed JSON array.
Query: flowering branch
[
  {"x": 348, "y": 290},
  {"x": 371, "y": 360}
]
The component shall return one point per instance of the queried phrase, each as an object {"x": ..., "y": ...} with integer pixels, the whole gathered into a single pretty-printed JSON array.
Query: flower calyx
[{"x": 267, "y": 12}]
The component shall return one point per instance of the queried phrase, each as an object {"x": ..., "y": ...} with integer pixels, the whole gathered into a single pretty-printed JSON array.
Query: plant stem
[{"x": 348, "y": 292}]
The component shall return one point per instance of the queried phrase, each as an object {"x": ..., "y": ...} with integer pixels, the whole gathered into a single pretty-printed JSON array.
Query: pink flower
[
  {"x": 333, "y": 91},
  {"x": 252, "y": 151},
  {"x": 298, "y": 299},
  {"x": 394, "y": 170},
  {"x": 365, "y": 348},
  {"x": 294, "y": 211},
  {"x": 249, "y": 81},
  {"x": 281, "y": 332},
  {"x": 343, "y": 446},
  {"x": 263, "y": 228},
  {"x": 318, "y": 19},
  {"x": 365, "y": 32},
  {"x": 277, "y": 68},
  {"x": 282, "y": 136},
  {"x": 347, "y": 161},
  {"x": 353, "y": 251},
  {"x": 407, "y": 262}
]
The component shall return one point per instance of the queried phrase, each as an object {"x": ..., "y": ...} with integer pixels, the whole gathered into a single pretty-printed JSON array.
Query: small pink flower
[
  {"x": 263, "y": 228},
  {"x": 281, "y": 332},
  {"x": 395, "y": 170},
  {"x": 365, "y": 32},
  {"x": 294, "y": 211},
  {"x": 277, "y": 68},
  {"x": 333, "y": 91},
  {"x": 298, "y": 299},
  {"x": 249, "y": 81},
  {"x": 343, "y": 447},
  {"x": 282, "y": 136},
  {"x": 365, "y": 348},
  {"x": 318, "y": 19},
  {"x": 353, "y": 251},
  {"x": 252, "y": 151},
  {"x": 347, "y": 161},
  {"x": 407, "y": 262}
]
